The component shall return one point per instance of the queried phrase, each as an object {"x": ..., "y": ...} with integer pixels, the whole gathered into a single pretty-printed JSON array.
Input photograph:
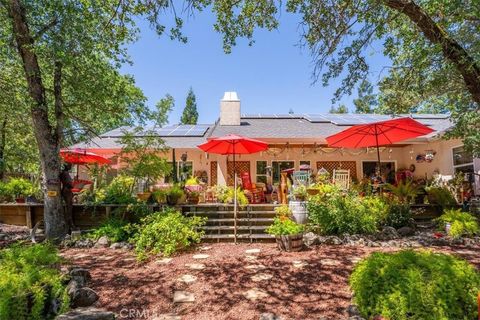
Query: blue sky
[{"x": 271, "y": 76}]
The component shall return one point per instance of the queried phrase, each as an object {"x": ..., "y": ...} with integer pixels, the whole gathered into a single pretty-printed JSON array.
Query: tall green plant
[
  {"x": 190, "y": 113},
  {"x": 404, "y": 191}
]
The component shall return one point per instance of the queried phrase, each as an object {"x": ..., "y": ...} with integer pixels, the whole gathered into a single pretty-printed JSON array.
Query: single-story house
[{"x": 299, "y": 139}]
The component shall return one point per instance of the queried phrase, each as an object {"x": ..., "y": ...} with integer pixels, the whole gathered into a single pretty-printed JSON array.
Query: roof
[{"x": 295, "y": 127}]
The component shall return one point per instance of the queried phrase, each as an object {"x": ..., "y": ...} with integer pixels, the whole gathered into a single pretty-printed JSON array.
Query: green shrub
[
  {"x": 441, "y": 196},
  {"x": 283, "y": 226},
  {"x": 120, "y": 191},
  {"x": 461, "y": 223},
  {"x": 415, "y": 285},
  {"x": 398, "y": 215},
  {"x": 174, "y": 194},
  {"x": 166, "y": 233},
  {"x": 334, "y": 212},
  {"x": 18, "y": 188},
  {"x": 283, "y": 211},
  {"x": 226, "y": 195},
  {"x": 405, "y": 192},
  {"x": 115, "y": 228},
  {"x": 30, "y": 281}
]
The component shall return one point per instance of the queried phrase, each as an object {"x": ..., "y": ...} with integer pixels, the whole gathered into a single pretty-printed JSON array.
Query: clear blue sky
[{"x": 271, "y": 76}]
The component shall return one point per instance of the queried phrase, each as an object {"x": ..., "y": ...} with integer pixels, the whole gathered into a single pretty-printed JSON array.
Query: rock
[
  {"x": 200, "y": 256},
  {"x": 387, "y": 233},
  {"x": 164, "y": 261},
  {"x": 84, "y": 243},
  {"x": 352, "y": 310},
  {"x": 310, "y": 239},
  {"x": 3, "y": 236},
  {"x": 116, "y": 245},
  {"x": 270, "y": 316},
  {"x": 406, "y": 231},
  {"x": 76, "y": 235},
  {"x": 333, "y": 240},
  {"x": 82, "y": 297},
  {"x": 80, "y": 275},
  {"x": 261, "y": 277},
  {"x": 167, "y": 316},
  {"x": 195, "y": 266},
  {"x": 187, "y": 278},
  {"x": 457, "y": 241},
  {"x": 102, "y": 242},
  {"x": 255, "y": 294},
  {"x": 356, "y": 318},
  {"x": 87, "y": 314},
  {"x": 183, "y": 297},
  {"x": 252, "y": 251}
]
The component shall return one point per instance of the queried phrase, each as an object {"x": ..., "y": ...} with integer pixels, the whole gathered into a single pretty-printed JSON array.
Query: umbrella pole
[
  {"x": 234, "y": 197},
  {"x": 378, "y": 153}
]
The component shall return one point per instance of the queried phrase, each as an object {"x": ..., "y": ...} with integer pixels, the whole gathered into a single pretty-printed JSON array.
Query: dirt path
[{"x": 233, "y": 284}]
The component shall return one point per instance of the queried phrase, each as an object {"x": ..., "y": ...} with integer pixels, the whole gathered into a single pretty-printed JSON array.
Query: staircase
[{"x": 252, "y": 220}]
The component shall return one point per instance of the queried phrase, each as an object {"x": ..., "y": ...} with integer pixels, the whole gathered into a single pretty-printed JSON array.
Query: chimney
[{"x": 230, "y": 109}]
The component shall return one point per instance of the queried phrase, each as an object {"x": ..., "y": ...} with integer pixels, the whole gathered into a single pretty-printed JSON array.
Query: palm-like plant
[{"x": 404, "y": 191}]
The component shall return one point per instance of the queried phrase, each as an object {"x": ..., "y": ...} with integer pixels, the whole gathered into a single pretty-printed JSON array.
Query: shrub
[
  {"x": 30, "y": 281},
  {"x": 115, "y": 228},
  {"x": 166, "y": 233},
  {"x": 441, "y": 196},
  {"x": 405, "y": 192},
  {"x": 19, "y": 188},
  {"x": 398, "y": 215},
  {"x": 226, "y": 195},
  {"x": 415, "y": 285},
  {"x": 283, "y": 211},
  {"x": 120, "y": 191},
  {"x": 461, "y": 223},
  {"x": 283, "y": 226},
  {"x": 333, "y": 212},
  {"x": 174, "y": 194}
]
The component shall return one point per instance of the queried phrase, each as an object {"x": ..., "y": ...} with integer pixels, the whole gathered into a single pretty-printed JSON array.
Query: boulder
[
  {"x": 406, "y": 231},
  {"x": 333, "y": 240},
  {"x": 310, "y": 239},
  {"x": 387, "y": 233},
  {"x": 102, "y": 242},
  {"x": 80, "y": 275},
  {"x": 87, "y": 314},
  {"x": 117, "y": 245},
  {"x": 270, "y": 316},
  {"x": 84, "y": 243},
  {"x": 81, "y": 297},
  {"x": 3, "y": 236}
]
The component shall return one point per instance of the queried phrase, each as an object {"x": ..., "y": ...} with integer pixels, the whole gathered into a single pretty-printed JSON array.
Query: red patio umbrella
[
  {"x": 82, "y": 157},
  {"x": 377, "y": 134},
  {"x": 233, "y": 144}
]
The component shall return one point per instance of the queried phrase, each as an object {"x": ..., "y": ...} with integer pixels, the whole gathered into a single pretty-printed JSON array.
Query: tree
[
  {"x": 70, "y": 53},
  {"x": 367, "y": 100},
  {"x": 434, "y": 47},
  {"x": 190, "y": 113},
  {"x": 340, "y": 109}
]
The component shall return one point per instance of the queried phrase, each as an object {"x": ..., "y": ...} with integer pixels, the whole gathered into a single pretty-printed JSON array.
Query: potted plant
[
  {"x": 19, "y": 189},
  {"x": 175, "y": 193},
  {"x": 288, "y": 234},
  {"x": 313, "y": 190},
  {"x": 300, "y": 193},
  {"x": 160, "y": 196},
  {"x": 193, "y": 189}
]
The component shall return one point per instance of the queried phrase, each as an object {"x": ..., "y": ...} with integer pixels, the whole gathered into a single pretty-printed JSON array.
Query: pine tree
[
  {"x": 367, "y": 100},
  {"x": 190, "y": 113},
  {"x": 340, "y": 109}
]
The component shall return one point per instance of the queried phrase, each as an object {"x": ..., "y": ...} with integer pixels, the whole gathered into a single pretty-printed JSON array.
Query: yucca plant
[{"x": 404, "y": 191}]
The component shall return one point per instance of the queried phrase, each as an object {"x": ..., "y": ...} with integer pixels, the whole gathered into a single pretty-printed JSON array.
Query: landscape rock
[
  {"x": 352, "y": 310},
  {"x": 82, "y": 297},
  {"x": 102, "y": 242},
  {"x": 3, "y": 236},
  {"x": 333, "y": 240},
  {"x": 80, "y": 275},
  {"x": 270, "y": 316},
  {"x": 183, "y": 297},
  {"x": 87, "y": 314},
  {"x": 310, "y": 239},
  {"x": 83, "y": 243},
  {"x": 387, "y": 233},
  {"x": 406, "y": 231}
]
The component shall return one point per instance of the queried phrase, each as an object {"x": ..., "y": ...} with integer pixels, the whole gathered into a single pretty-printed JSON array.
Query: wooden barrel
[
  {"x": 290, "y": 242},
  {"x": 299, "y": 211}
]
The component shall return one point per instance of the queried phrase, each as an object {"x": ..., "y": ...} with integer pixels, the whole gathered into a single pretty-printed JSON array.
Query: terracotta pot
[
  {"x": 20, "y": 200},
  {"x": 143, "y": 196},
  {"x": 313, "y": 191}
]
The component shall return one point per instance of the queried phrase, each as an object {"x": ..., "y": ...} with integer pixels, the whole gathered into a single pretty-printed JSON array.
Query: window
[
  {"x": 278, "y": 166},
  {"x": 369, "y": 168},
  {"x": 184, "y": 171},
  {"x": 261, "y": 172},
  {"x": 305, "y": 163},
  {"x": 462, "y": 161}
]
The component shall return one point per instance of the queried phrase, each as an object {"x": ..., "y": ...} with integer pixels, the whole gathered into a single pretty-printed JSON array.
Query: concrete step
[
  {"x": 264, "y": 220},
  {"x": 259, "y": 236},
  {"x": 215, "y": 228}
]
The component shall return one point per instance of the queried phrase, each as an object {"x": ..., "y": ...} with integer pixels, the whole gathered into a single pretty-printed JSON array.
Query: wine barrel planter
[
  {"x": 299, "y": 211},
  {"x": 289, "y": 243}
]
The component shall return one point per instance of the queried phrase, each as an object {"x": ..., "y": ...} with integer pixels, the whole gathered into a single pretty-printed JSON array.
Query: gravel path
[{"x": 229, "y": 281}]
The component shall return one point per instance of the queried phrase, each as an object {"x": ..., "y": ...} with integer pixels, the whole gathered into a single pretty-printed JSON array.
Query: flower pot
[
  {"x": 300, "y": 198},
  {"x": 193, "y": 198},
  {"x": 312, "y": 191},
  {"x": 143, "y": 196},
  {"x": 293, "y": 242},
  {"x": 20, "y": 200}
]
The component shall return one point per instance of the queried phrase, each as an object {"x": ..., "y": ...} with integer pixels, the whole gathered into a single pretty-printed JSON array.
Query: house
[{"x": 299, "y": 139}]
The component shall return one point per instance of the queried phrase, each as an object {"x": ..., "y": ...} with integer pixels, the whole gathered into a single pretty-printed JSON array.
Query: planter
[
  {"x": 300, "y": 198},
  {"x": 20, "y": 200},
  {"x": 143, "y": 196},
  {"x": 293, "y": 242},
  {"x": 312, "y": 191},
  {"x": 173, "y": 200},
  {"x": 193, "y": 198},
  {"x": 299, "y": 211}
]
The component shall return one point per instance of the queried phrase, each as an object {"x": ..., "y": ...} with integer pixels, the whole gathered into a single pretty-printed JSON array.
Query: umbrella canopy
[
  {"x": 233, "y": 144},
  {"x": 78, "y": 156},
  {"x": 377, "y": 134}
]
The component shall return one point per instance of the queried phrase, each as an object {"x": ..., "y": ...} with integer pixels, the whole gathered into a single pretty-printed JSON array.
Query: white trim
[
  {"x": 381, "y": 161},
  {"x": 454, "y": 166},
  {"x": 262, "y": 175}
]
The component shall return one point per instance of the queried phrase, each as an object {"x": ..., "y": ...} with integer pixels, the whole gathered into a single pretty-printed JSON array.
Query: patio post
[
  {"x": 234, "y": 197},
  {"x": 378, "y": 153}
]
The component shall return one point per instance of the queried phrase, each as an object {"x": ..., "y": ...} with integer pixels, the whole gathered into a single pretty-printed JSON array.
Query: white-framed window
[
  {"x": 369, "y": 167},
  {"x": 278, "y": 166},
  {"x": 261, "y": 171},
  {"x": 184, "y": 171},
  {"x": 462, "y": 160}
]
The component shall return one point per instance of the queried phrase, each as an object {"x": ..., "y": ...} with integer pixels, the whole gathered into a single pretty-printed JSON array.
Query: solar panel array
[{"x": 183, "y": 130}]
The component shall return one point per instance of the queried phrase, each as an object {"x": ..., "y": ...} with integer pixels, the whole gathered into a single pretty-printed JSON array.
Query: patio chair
[
  {"x": 341, "y": 178},
  {"x": 301, "y": 178},
  {"x": 256, "y": 195}
]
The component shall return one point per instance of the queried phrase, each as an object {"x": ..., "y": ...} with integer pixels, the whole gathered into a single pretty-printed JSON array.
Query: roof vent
[{"x": 230, "y": 109}]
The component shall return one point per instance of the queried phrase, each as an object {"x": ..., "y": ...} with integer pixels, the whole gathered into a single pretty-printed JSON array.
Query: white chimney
[{"x": 230, "y": 109}]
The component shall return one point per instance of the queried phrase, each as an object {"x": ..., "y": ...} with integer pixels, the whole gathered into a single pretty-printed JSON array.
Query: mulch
[{"x": 318, "y": 290}]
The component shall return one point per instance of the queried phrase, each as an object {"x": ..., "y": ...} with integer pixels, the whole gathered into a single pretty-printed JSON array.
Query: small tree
[
  {"x": 190, "y": 113},
  {"x": 340, "y": 109}
]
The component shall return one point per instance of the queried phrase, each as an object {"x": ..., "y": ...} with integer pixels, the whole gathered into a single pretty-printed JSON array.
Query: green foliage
[
  {"x": 367, "y": 100},
  {"x": 284, "y": 226},
  {"x": 160, "y": 196},
  {"x": 334, "y": 212},
  {"x": 283, "y": 211},
  {"x": 398, "y": 215},
  {"x": 192, "y": 181},
  {"x": 300, "y": 192},
  {"x": 166, "y": 233},
  {"x": 405, "y": 192},
  {"x": 226, "y": 194},
  {"x": 340, "y": 109},
  {"x": 441, "y": 195},
  {"x": 415, "y": 285},
  {"x": 19, "y": 188},
  {"x": 30, "y": 281},
  {"x": 190, "y": 113},
  {"x": 114, "y": 228},
  {"x": 174, "y": 194},
  {"x": 119, "y": 191},
  {"x": 461, "y": 223}
]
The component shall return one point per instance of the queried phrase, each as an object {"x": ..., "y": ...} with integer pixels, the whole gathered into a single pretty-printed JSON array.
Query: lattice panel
[
  {"x": 240, "y": 166},
  {"x": 346, "y": 165},
  {"x": 213, "y": 173}
]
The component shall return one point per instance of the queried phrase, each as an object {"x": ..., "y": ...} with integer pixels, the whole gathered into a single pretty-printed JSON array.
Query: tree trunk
[
  {"x": 452, "y": 50},
  {"x": 3, "y": 142},
  {"x": 47, "y": 139}
]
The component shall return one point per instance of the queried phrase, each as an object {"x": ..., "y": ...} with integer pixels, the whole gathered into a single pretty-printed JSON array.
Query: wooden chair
[
  {"x": 257, "y": 195},
  {"x": 341, "y": 178},
  {"x": 301, "y": 178}
]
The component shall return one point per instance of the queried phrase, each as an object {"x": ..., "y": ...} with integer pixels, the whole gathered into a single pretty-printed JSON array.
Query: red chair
[
  {"x": 79, "y": 184},
  {"x": 256, "y": 195}
]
